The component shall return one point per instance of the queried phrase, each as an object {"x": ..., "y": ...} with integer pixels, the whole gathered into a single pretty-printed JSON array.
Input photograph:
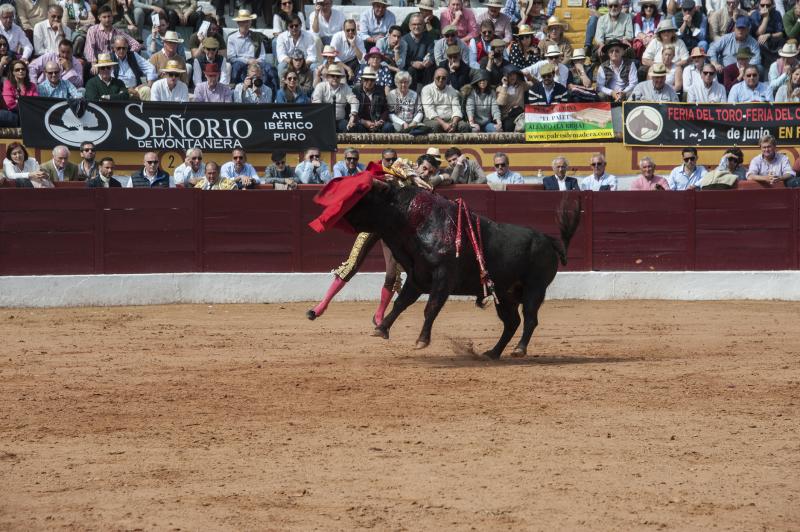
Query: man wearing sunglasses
[
  {"x": 312, "y": 170},
  {"x": 104, "y": 86},
  {"x": 295, "y": 38},
  {"x": 170, "y": 88},
  {"x": 502, "y": 173},
  {"x": 767, "y": 27},
  {"x": 709, "y": 90},
  {"x": 192, "y": 170},
  {"x": 599, "y": 180},
  {"x": 441, "y": 106},
  {"x": 151, "y": 175},
  {"x": 209, "y": 55},
  {"x": 136, "y": 72},
  {"x": 55, "y": 87},
  {"x": 350, "y": 165},
  {"x": 280, "y": 171},
  {"x": 87, "y": 168},
  {"x": 688, "y": 175},
  {"x": 750, "y": 89},
  {"x": 240, "y": 170}
]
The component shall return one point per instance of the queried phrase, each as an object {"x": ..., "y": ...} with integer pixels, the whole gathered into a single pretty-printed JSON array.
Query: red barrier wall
[{"x": 80, "y": 231}]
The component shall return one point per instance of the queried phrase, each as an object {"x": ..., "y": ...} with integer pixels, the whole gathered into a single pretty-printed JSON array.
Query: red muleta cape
[{"x": 340, "y": 195}]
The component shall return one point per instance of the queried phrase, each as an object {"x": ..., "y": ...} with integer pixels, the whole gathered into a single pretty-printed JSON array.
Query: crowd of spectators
[
  {"x": 453, "y": 168},
  {"x": 451, "y": 72}
]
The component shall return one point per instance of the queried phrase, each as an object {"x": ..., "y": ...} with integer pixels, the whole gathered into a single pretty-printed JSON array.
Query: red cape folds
[{"x": 339, "y": 196}]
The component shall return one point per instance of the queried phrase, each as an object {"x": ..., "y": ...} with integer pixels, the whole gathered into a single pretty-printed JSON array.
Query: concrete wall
[{"x": 152, "y": 289}]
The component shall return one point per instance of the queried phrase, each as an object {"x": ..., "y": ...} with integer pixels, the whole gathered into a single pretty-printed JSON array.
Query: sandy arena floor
[{"x": 633, "y": 416}]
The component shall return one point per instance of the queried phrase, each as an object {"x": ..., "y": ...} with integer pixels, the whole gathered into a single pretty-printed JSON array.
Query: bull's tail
[{"x": 568, "y": 221}]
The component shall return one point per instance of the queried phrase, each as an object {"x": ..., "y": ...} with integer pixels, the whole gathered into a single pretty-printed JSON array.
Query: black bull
[{"x": 420, "y": 229}]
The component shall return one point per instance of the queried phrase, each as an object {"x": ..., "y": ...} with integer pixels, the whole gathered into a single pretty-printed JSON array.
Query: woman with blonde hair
[
  {"x": 674, "y": 71},
  {"x": 666, "y": 33},
  {"x": 790, "y": 91}
]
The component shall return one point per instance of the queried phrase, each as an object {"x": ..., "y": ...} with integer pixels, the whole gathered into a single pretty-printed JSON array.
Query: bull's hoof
[
  {"x": 494, "y": 355},
  {"x": 519, "y": 352},
  {"x": 310, "y": 314},
  {"x": 380, "y": 331},
  {"x": 421, "y": 344}
]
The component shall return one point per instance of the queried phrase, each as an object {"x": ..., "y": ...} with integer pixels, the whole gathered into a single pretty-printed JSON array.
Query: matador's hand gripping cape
[{"x": 342, "y": 193}]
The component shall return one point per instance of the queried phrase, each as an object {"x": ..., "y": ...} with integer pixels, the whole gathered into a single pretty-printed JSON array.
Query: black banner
[
  {"x": 133, "y": 125},
  {"x": 708, "y": 124}
]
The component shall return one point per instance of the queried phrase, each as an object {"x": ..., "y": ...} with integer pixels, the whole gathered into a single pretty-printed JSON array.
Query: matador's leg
[
  {"x": 391, "y": 284},
  {"x": 345, "y": 272}
]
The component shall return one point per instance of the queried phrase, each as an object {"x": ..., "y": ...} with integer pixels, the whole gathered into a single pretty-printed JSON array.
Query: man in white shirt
[
  {"x": 503, "y": 173},
  {"x": 245, "y": 47},
  {"x": 131, "y": 68},
  {"x": 295, "y": 38},
  {"x": 441, "y": 106},
  {"x": 335, "y": 91},
  {"x": 349, "y": 46},
  {"x": 375, "y": 23},
  {"x": 170, "y": 88},
  {"x": 49, "y": 32},
  {"x": 192, "y": 170},
  {"x": 599, "y": 180},
  {"x": 14, "y": 35},
  {"x": 710, "y": 90},
  {"x": 325, "y": 21}
]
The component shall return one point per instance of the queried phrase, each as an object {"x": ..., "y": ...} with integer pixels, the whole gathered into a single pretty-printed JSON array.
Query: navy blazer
[{"x": 550, "y": 183}]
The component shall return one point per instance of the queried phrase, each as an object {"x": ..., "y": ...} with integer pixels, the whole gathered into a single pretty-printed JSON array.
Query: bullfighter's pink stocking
[
  {"x": 386, "y": 298},
  {"x": 337, "y": 284}
]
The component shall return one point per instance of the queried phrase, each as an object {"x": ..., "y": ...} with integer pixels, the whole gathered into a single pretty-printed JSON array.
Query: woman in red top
[{"x": 15, "y": 86}]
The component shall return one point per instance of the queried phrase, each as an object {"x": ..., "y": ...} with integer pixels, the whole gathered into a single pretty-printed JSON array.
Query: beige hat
[
  {"x": 553, "y": 21},
  {"x": 658, "y": 70},
  {"x": 452, "y": 50},
  {"x": 172, "y": 36},
  {"x": 789, "y": 49},
  {"x": 425, "y": 4},
  {"x": 104, "y": 60},
  {"x": 524, "y": 29},
  {"x": 697, "y": 52},
  {"x": 329, "y": 51},
  {"x": 553, "y": 50},
  {"x": 494, "y": 3},
  {"x": 435, "y": 153},
  {"x": 369, "y": 73},
  {"x": 173, "y": 66},
  {"x": 498, "y": 43},
  {"x": 210, "y": 42},
  {"x": 666, "y": 25},
  {"x": 335, "y": 70},
  {"x": 244, "y": 15},
  {"x": 449, "y": 29},
  {"x": 548, "y": 68},
  {"x": 578, "y": 54},
  {"x": 384, "y": 2}
]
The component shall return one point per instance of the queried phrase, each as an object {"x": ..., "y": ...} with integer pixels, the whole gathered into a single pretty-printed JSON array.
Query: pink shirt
[
  {"x": 640, "y": 183},
  {"x": 10, "y": 95},
  {"x": 467, "y": 26}
]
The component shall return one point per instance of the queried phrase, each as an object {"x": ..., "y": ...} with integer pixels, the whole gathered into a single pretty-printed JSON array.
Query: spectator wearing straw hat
[
  {"x": 578, "y": 76},
  {"x": 500, "y": 21},
  {"x": 245, "y": 46},
  {"x": 212, "y": 90},
  {"x": 170, "y": 88},
  {"x": 524, "y": 51},
  {"x": 375, "y": 23},
  {"x": 666, "y": 33},
  {"x": 104, "y": 86},
  {"x": 429, "y": 23},
  {"x": 169, "y": 52},
  {"x": 462, "y": 18},
  {"x": 209, "y": 55},
  {"x": 328, "y": 58},
  {"x": 334, "y": 91},
  {"x": 374, "y": 60},
  {"x": 655, "y": 89},
  {"x": 373, "y": 111},
  {"x": 616, "y": 77},
  {"x": 214, "y": 31},
  {"x": 450, "y": 38},
  {"x": 324, "y": 21},
  {"x": 693, "y": 72},
  {"x": 552, "y": 57},
  {"x": 781, "y": 69},
  {"x": 495, "y": 62},
  {"x": 554, "y": 35},
  {"x": 733, "y": 74}
]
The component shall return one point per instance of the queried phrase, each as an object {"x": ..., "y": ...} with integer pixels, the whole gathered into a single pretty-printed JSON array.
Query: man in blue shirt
[
  {"x": 53, "y": 86},
  {"x": 503, "y": 173},
  {"x": 312, "y": 170},
  {"x": 350, "y": 164},
  {"x": 723, "y": 52},
  {"x": 240, "y": 170},
  {"x": 750, "y": 90},
  {"x": 375, "y": 23},
  {"x": 688, "y": 175}
]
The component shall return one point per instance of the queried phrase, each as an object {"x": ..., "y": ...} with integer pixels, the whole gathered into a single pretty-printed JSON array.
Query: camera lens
[{"x": 258, "y": 82}]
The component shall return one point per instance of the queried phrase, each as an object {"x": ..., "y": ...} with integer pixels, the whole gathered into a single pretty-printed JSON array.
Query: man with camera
[{"x": 252, "y": 89}]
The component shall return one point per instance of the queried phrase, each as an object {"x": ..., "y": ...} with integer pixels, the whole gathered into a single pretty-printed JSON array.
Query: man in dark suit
[
  {"x": 105, "y": 175},
  {"x": 59, "y": 168},
  {"x": 559, "y": 180}
]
